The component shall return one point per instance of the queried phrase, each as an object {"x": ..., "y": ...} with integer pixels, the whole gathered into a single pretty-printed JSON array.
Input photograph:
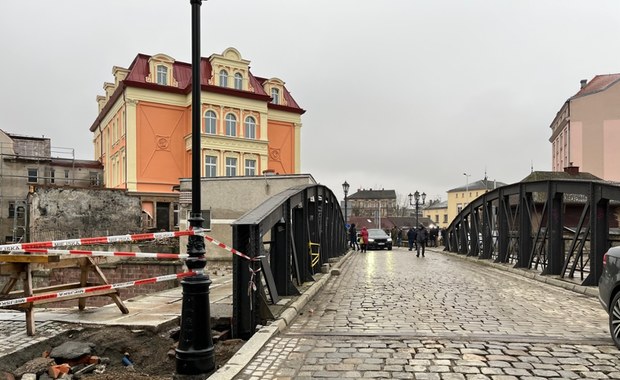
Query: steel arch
[{"x": 558, "y": 227}]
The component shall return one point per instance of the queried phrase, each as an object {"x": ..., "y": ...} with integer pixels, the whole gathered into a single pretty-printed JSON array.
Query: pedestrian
[
  {"x": 364, "y": 237},
  {"x": 421, "y": 237},
  {"x": 399, "y": 238},
  {"x": 411, "y": 237},
  {"x": 432, "y": 237},
  {"x": 353, "y": 238},
  {"x": 394, "y": 234}
]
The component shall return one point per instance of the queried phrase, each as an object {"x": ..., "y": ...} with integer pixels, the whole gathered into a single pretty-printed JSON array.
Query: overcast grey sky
[{"x": 400, "y": 94}]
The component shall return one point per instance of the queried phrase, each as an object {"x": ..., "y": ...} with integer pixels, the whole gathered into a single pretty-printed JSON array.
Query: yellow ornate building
[
  {"x": 460, "y": 197},
  {"x": 142, "y": 134}
]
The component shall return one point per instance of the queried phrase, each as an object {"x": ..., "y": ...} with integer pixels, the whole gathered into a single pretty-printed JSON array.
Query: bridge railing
[
  {"x": 288, "y": 238},
  {"x": 558, "y": 227}
]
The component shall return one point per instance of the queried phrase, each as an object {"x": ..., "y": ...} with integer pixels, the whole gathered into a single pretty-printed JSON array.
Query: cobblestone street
[{"x": 393, "y": 315}]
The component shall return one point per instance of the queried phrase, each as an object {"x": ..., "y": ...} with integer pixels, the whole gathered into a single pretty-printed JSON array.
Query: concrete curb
[
  {"x": 551, "y": 280},
  {"x": 247, "y": 352}
]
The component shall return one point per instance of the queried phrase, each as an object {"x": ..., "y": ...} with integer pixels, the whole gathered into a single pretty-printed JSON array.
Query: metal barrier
[
  {"x": 559, "y": 227},
  {"x": 277, "y": 235}
]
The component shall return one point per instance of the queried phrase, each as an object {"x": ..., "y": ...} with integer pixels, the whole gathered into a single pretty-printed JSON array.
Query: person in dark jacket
[
  {"x": 411, "y": 235},
  {"x": 421, "y": 237},
  {"x": 353, "y": 238}
]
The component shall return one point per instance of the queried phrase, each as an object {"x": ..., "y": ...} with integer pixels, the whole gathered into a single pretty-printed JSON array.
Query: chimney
[
  {"x": 583, "y": 82},
  {"x": 572, "y": 170}
]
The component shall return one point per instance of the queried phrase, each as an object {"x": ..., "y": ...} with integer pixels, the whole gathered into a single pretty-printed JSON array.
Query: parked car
[
  {"x": 609, "y": 291},
  {"x": 378, "y": 239}
]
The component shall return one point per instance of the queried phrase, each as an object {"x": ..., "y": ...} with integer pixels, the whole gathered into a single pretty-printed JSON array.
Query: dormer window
[
  {"x": 162, "y": 75},
  {"x": 161, "y": 71},
  {"x": 223, "y": 78},
  {"x": 238, "y": 81},
  {"x": 275, "y": 95}
]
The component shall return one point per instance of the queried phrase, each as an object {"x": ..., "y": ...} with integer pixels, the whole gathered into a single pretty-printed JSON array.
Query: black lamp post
[
  {"x": 417, "y": 203},
  {"x": 345, "y": 188},
  {"x": 195, "y": 352}
]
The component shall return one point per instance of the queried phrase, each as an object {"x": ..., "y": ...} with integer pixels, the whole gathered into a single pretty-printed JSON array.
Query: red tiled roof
[
  {"x": 291, "y": 103},
  {"x": 597, "y": 84},
  {"x": 182, "y": 73}
]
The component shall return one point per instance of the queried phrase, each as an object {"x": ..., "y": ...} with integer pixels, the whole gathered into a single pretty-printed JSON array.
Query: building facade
[
  {"x": 372, "y": 203},
  {"x": 223, "y": 200},
  {"x": 142, "y": 134},
  {"x": 461, "y": 196},
  {"x": 437, "y": 213},
  {"x": 28, "y": 162},
  {"x": 586, "y": 131}
]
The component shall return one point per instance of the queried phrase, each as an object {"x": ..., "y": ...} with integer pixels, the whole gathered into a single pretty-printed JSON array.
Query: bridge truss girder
[
  {"x": 532, "y": 226},
  {"x": 288, "y": 238}
]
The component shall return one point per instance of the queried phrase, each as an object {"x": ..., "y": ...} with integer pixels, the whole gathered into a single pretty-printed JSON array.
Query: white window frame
[
  {"x": 210, "y": 118},
  {"x": 250, "y": 167},
  {"x": 238, "y": 81},
  {"x": 275, "y": 95},
  {"x": 223, "y": 75},
  {"x": 250, "y": 127},
  {"x": 231, "y": 166},
  {"x": 231, "y": 125},
  {"x": 210, "y": 166},
  {"x": 162, "y": 75}
]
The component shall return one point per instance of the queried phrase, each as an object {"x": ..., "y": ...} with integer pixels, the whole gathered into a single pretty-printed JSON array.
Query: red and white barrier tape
[
  {"x": 230, "y": 249},
  {"x": 165, "y": 256},
  {"x": 91, "y": 289},
  {"x": 101, "y": 240},
  {"x": 29, "y": 247}
]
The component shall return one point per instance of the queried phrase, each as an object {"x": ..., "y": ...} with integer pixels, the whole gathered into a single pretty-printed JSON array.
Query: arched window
[
  {"x": 250, "y": 127},
  {"x": 162, "y": 75},
  {"x": 231, "y": 125},
  {"x": 210, "y": 122},
  {"x": 275, "y": 96},
  {"x": 238, "y": 81},
  {"x": 223, "y": 78}
]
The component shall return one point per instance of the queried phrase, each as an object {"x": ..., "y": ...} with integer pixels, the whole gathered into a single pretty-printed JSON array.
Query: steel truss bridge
[
  {"x": 288, "y": 238},
  {"x": 557, "y": 227}
]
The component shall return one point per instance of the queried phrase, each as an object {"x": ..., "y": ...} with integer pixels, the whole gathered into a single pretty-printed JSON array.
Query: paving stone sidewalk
[{"x": 393, "y": 315}]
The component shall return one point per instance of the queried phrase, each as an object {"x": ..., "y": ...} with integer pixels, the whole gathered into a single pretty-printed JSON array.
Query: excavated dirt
[{"x": 151, "y": 353}]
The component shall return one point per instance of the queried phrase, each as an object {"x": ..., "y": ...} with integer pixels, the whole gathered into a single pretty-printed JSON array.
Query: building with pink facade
[{"x": 586, "y": 130}]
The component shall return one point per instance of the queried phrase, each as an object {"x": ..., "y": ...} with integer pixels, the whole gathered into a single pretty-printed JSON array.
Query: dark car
[
  {"x": 378, "y": 239},
  {"x": 609, "y": 291}
]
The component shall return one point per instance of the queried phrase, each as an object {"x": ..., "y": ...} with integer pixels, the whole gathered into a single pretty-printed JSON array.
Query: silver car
[{"x": 609, "y": 291}]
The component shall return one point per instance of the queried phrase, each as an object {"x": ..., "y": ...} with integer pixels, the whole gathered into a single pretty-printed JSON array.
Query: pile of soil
[{"x": 152, "y": 353}]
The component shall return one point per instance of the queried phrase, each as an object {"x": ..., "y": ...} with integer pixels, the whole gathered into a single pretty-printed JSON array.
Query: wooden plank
[
  {"x": 83, "y": 281},
  {"x": 29, "y": 258},
  {"x": 115, "y": 297},
  {"x": 65, "y": 262},
  {"x": 10, "y": 268},
  {"x": 47, "y": 289},
  {"x": 28, "y": 292}
]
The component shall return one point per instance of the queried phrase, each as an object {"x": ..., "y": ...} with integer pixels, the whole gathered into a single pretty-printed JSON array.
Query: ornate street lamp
[
  {"x": 345, "y": 188},
  {"x": 195, "y": 352},
  {"x": 416, "y": 197}
]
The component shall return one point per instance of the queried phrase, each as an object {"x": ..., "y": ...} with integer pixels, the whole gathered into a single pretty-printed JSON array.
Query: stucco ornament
[{"x": 162, "y": 142}]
